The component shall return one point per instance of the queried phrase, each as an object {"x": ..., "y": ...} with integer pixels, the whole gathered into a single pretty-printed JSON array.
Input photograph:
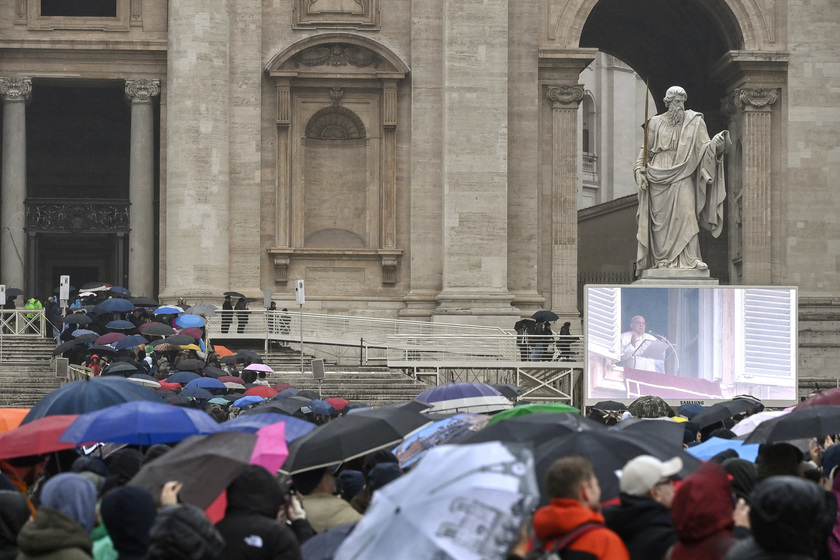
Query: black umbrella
[
  {"x": 354, "y": 435},
  {"x": 609, "y": 405},
  {"x": 143, "y": 302},
  {"x": 232, "y": 360},
  {"x": 158, "y": 329},
  {"x": 234, "y": 294},
  {"x": 324, "y": 545},
  {"x": 99, "y": 348},
  {"x": 719, "y": 412},
  {"x": 86, "y": 338},
  {"x": 214, "y": 372},
  {"x": 308, "y": 394},
  {"x": 812, "y": 421},
  {"x": 608, "y": 451},
  {"x": 651, "y": 428},
  {"x": 13, "y": 292},
  {"x": 77, "y": 319},
  {"x": 250, "y": 356},
  {"x": 535, "y": 428},
  {"x": 545, "y": 315},
  {"x": 288, "y": 406},
  {"x": 65, "y": 347},
  {"x": 179, "y": 340},
  {"x": 190, "y": 365}
]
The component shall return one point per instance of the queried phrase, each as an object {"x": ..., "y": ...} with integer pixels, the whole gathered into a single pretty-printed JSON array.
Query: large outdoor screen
[{"x": 690, "y": 344}]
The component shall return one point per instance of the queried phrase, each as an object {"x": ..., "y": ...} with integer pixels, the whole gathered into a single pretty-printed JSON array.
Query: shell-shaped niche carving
[{"x": 335, "y": 123}]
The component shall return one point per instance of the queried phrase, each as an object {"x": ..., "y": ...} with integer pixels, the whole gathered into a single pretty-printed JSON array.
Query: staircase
[{"x": 27, "y": 374}]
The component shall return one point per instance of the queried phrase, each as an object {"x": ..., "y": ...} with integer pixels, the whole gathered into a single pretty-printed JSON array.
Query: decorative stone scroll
[
  {"x": 141, "y": 90},
  {"x": 755, "y": 98},
  {"x": 77, "y": 216},
  {"x": 565, "y": 95},
  {"x": 15, "y": 89},
  {"x": 281, "y": 269},
  {"x": 389, "y": 270}
]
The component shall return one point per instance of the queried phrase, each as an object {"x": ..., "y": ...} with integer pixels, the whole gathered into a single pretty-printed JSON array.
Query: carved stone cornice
[
  {"x": 77, "y": 216},
  {"x": 15, "y": 89},
  {"x": 141, "y": 90},
  {"x": 565, "y": 97},
  {"x": 755, "y": 99}
]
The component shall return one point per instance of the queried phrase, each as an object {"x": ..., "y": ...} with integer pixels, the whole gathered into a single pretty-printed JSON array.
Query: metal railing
[
  {"x": 78, "y": 372},
  {"x": 22, "y": 322},
  {"x": 484, "y": 350}
]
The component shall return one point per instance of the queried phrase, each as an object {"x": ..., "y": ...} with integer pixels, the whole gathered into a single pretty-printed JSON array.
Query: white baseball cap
[{"x": 642, "y": 473}]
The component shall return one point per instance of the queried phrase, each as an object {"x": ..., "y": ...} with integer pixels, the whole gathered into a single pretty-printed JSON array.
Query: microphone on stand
[{"x": 659, "y": 336}]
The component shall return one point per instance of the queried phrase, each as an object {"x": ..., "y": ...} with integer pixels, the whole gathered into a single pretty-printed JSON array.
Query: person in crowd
[
  {"x": 183, "y": 532},
  {"x": 52, "y": 311},
  {"x": 63, "y": 522},
  {"x": 324, "y": 510},
  {"x": 250, "y": 527},
  {"x": 788, "y": 517},
  {"x": 128, "y": 513},
  {"x": 643, "y": 517},
  {"x": 706, "y": 523},
  {"x": 775, "y": 459},
  {"x": 14, "y": 513},
  {"x": 242, "y": 314},
  {"x": 572, "y": 520},
  {"x": 743, "y": 475},
  {"x": 23, "y": 473},
  {"x": 227, "y": 315}
]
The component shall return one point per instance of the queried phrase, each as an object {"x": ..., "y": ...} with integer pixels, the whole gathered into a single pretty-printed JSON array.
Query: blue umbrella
[
  {"x": 140, "y": 423},
  {"x": 115, "y": 305},
  {"x": 206, "y": 383},
  {"x": 290, "y": 392},
  {"x": 196, "y": 393},
  {"x": 120, "y": 291},
  {"x": 182, "y": 377},
  {"x": 132, "y": 341},
  {"x": 187, "y": 321},
  {"x": 120, "y": 325},
  {"x": 464, "y": 397},
  {"x": 320, "y": 407},
  {"x": 247, "y": 401},
  {"x": 715, "y": 445},
  {"x": 79, "y": 332},
  {"x": 250, "y": 423},
  {"x": 168, "y": 310},
  {"x": 96, "y": 393}
]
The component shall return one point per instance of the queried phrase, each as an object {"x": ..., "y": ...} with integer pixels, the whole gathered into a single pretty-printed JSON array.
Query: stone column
[
  {"x": 141, "y": 185},
  {"x": 564, "y": 100},
  {"x": 756, "y": 106},
  {"x": 198, "y": 196},
  {"x": 475, "y": 120},
  {"x": 14, "y": 92}
]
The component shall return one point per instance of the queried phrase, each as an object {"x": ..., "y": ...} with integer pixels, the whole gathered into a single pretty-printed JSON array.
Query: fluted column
[
  {"x": 14, "y": 92},
  {"x": 141, "y": 185},
  {"x": 564, "y": 100},
  {"x": 756, "y": 106},
  {"x": 198, "y": 196}
]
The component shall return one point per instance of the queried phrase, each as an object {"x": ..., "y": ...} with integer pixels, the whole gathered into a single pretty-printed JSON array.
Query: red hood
[{"x": 703, "y": 504}]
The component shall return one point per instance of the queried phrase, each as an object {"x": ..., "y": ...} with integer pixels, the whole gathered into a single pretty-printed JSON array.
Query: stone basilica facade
[{"x": 406, "y": 158}]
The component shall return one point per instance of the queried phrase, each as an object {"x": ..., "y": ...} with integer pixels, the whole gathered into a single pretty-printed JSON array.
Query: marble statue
[{"x": 681, "y": 187}]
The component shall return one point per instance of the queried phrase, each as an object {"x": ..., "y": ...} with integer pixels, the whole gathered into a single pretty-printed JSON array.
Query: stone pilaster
[
  {"x": 14, "y": 92},
  {"x": 564, "y": 100},
  {"x": 141, "y": 185},
  {"x": 198, "y": 195},
  {"x": 475, "y": 119},
  {"x": 756, "y": 107}
]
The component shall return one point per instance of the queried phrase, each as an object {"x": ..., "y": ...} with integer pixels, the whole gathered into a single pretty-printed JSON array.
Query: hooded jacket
[
  {"x": 128, "y": 513},
  {"x": 643, "y": 524},
  {"x": 250, "y": 527},
  {"x": 702, "y": 514},
  {"x": 563, "y": 515},
  {"x": 14, "y": 513},
  {"x": 53, "y": 536}
]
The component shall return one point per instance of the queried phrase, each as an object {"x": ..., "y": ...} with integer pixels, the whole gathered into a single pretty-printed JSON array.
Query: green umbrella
[{"x": 532, "y": 409}]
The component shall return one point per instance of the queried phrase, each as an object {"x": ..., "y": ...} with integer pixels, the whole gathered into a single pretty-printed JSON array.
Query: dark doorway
[{"x": 85, "y": 258}]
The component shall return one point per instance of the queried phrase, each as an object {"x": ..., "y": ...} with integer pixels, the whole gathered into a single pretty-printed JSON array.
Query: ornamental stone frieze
[
  {"x": 141, "y": 90},
  {"x": 745, "y": 98},
  {"x": 337, "y": 55},
  {"x": 86, "y": 216},
  {"x": 569, "y": 96},
  {"x": 15, "y": 89}
]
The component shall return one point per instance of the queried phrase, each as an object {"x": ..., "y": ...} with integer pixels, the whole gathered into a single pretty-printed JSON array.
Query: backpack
[{"x": 558, "y": 551}]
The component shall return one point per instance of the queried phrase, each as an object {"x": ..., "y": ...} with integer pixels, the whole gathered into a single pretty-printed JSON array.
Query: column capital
[
  {"x": 565, "y": 97},
  {"x": 755, "y": 99},
  {"x": 139, "y": 91},
  {"x": 15, "y": 89}
]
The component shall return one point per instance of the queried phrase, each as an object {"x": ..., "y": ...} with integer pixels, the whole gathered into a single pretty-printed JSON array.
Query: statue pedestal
[{"x": 672, "y": 276}]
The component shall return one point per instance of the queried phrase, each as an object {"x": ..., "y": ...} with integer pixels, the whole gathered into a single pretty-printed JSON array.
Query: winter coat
[
  {"x": 14, "y": 513},
  {"x": 561, "y": 516},
  {"x": 325, "y": 511},
  {"x": 702, "y": 514},
  {"x": 250, "y": 527},
  {"x": 53, "y": 536},
  {"x": 643, "y": 524},
  {"x": 748, "y": 549}
]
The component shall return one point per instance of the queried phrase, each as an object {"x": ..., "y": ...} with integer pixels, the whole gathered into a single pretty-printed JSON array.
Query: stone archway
[{"x": 727, "y": 55}]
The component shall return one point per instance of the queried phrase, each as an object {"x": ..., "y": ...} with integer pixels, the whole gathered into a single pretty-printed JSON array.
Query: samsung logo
[{"x": 691, "y": 402}]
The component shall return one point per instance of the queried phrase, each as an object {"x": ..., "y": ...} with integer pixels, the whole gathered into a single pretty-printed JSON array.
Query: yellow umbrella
[{"x": 191, "y": 347}]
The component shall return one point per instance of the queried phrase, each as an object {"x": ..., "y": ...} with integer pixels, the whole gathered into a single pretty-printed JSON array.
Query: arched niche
[{"x": 336, "y": 120}]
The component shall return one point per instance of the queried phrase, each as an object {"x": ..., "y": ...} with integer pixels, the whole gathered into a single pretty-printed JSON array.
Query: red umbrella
[
  {"x": 170, "y": 386},
  {"x": 110, "y": 338},
  {"x": 282, "y": 387},
  {"x": 260, "y": 391},
  {"x": 231, "y": 379},
  {"x": 827, "y": 396},
  {"x": 37, "y": 437},
  {"x": 193, "y": 332},
  {"x": 337, "y": 403}
]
